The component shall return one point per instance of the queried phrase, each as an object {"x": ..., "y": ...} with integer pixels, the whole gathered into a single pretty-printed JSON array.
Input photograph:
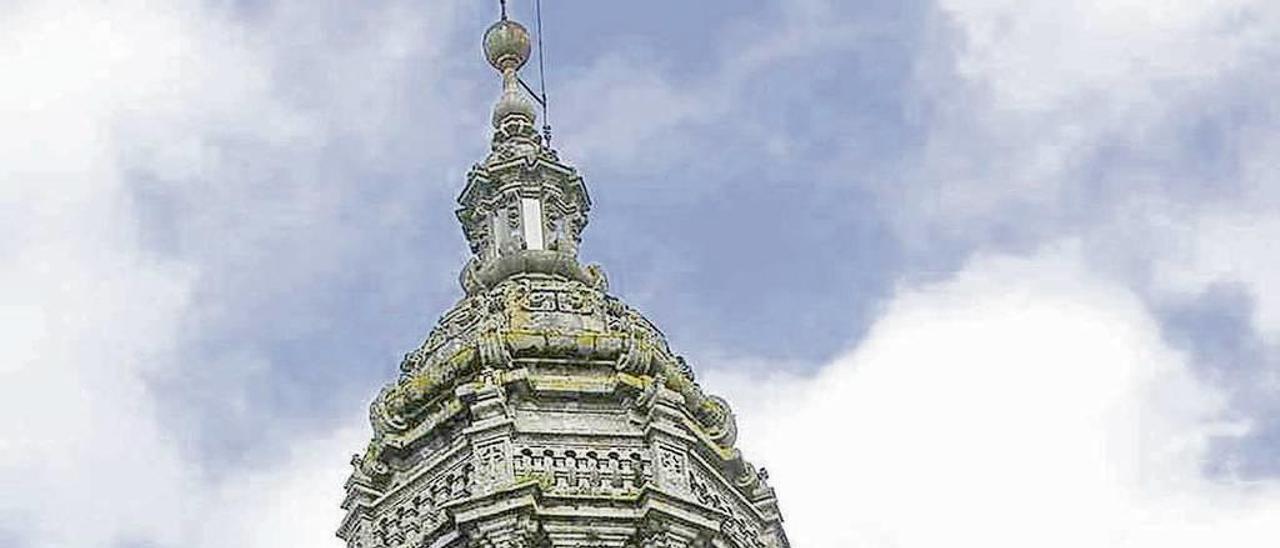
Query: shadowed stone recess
[{"x": 542, "y": 411}]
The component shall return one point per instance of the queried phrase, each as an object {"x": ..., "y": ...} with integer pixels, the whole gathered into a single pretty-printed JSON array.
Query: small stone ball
[{"x": 506, "y": 44}]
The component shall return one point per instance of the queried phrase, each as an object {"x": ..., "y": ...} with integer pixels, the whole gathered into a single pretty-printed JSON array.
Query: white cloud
[
  {"x": 1024, "y": 402},
  {"x": 85, "y": 314},
  {"x": 1229, "y": 248},
  {"x": 1145, "y": 129},
  {"x": 100, "y": 101},
  {"x": 625, "y": 112},
  {"x": 294, "y": 503},
  {"x": 1050, "y": 55},
  {"x": 1052, "y": 118},
  {"x": 629, "y": 111}
]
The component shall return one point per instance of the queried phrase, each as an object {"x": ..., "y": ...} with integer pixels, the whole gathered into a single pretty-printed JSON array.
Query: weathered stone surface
[{"x": 542, "y": 411}]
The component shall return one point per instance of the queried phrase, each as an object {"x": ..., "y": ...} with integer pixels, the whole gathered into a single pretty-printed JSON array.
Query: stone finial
[{"x": 507, "y": 47}]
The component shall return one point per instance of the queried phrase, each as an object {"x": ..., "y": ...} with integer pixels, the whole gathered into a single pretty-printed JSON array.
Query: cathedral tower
[{"x": 542, "y": 411}]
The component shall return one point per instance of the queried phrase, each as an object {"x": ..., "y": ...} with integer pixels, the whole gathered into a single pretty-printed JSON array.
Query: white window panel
[{"x": 531, "y": 220}]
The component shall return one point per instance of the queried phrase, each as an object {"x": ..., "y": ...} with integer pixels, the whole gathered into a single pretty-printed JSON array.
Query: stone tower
[{"x": 542, "y": 411}]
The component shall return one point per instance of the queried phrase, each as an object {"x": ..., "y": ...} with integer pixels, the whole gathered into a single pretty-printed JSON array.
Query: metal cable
[{"x": 542, "y": 75}]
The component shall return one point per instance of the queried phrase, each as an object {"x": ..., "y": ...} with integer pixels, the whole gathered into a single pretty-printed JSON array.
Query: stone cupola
[{"x": 542, "y": 411}]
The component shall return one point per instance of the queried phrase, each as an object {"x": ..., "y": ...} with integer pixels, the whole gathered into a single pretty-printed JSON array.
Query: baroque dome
[{"x": 542, "y": 411}]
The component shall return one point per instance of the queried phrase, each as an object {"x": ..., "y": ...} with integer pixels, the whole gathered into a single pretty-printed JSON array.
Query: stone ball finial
[{"x": 506, "y": 45}]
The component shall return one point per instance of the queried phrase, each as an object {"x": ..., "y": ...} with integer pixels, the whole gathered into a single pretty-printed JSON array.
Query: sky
[{"x": 973, "y": 272}]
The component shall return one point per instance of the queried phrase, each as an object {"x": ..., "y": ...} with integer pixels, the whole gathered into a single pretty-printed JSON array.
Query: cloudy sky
[{"x": 972, "y": 272}]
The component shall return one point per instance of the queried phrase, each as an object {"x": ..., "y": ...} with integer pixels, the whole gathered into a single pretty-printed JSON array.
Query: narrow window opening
[{"x": 531, "y": 220}]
